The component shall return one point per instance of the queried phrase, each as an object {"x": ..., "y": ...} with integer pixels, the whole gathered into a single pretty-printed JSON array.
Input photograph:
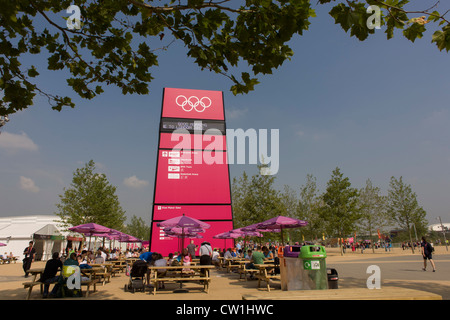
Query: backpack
[{"x": 430, "y": 248}]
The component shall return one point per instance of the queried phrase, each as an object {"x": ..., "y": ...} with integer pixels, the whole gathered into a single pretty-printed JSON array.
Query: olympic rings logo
[{"x": 193, "y": 102}]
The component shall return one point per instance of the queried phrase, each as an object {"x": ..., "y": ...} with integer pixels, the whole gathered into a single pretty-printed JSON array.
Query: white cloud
[
  {"x": 134, "y": 182},
  {"x": 14, "y": 142},
  {"x": 28, "y": 184}
]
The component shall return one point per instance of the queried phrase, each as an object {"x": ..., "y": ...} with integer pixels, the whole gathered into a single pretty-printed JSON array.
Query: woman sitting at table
[
  {"x": 160, "y": 262},
  {"x": 268, "y": 255}
]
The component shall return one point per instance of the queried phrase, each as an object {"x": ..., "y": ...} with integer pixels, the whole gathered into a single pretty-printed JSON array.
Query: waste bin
[
  {"x": 333, "y": 278},
  {"x": 291, "y": 271},
  {"x": 314, "y": 267}
]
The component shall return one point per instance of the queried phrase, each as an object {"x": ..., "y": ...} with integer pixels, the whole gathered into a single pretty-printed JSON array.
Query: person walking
[
  {"x": 29, "y": 253},
  {"x": 427, "y": 250}
]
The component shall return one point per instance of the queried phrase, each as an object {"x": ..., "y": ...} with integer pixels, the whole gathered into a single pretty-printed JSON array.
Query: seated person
[
  {"x": 49, "y": 276},
  {"x": 160, "y": 262},
  {"x": 228, "y": 254},
  {"x": 215, "y": 257},
  {"x": 268, "y": 255}
]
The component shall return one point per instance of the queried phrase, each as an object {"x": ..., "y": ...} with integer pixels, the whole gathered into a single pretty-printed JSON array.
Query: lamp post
[{"x": 443, "y": 232}]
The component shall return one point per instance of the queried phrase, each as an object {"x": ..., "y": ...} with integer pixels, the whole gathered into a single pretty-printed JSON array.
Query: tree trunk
[{"x": 410, "y": 239}]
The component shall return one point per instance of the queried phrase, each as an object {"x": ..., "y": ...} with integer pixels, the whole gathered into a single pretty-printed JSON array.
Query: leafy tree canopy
[
  {"x": 90, "y": 198},
  {"x": 118, "y": 40}
]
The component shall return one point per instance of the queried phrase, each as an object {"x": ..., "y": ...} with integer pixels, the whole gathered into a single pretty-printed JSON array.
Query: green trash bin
[{"x": 314, "y": 267}]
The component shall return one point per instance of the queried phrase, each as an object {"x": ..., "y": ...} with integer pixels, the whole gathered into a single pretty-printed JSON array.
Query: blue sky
[{"x": 375, "y": 109}]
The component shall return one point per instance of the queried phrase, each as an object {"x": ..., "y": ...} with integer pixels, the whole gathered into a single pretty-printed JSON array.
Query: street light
[{"x": 443, "y": 232}]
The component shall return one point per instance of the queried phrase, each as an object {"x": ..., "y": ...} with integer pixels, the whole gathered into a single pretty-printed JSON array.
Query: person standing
[
  {"x": 427, "y": 250},
  {"x": 192, "y": 248},
  {"x": 205, "y": 254},
  {"x": 29, "y": 254}
]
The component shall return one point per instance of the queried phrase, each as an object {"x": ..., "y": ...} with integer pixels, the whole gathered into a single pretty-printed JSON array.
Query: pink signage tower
[{"x": 192, "y": 174}]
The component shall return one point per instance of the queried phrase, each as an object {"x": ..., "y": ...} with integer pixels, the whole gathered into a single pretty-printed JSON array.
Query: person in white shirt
[
  {"x": 103, "y": 254},
  {"x": 215, "y": 257},
  {"x": 160, "y": 262},
  {"x": 228, "y": 254}
]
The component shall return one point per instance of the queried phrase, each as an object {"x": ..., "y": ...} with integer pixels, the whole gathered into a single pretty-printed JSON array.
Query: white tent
[
  {"x": 17, "y": 232},
  {"x": 46, "y": 241}
]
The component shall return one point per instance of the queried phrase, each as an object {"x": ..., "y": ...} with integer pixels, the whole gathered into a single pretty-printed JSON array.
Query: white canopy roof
[{"x": 24, "y": 227}]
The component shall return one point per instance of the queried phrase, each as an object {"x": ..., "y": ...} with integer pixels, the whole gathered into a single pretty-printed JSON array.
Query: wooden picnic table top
[
  {"x": 265, "y": 265},
  {"x": 182, "y": 267},
  {"x": 36, "y": 270}
]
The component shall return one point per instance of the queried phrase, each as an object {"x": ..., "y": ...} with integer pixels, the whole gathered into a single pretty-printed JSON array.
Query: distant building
[{"x": 438, "y": 227}]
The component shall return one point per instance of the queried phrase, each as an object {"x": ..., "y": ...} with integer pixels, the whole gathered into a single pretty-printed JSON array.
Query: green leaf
[
  {"x": 415, "y": 31},
  {"x": 442, "y": 38}
]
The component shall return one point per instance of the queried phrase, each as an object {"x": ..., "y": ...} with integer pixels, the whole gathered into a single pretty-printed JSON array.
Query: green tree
[
  {"x": 308, "y": 209},
  {"x": 119, "y": 40},
  {"x": 340, "y": 211},
  {"x": 255, "y": 200},
  {"x": 90, "y": 199},
  {"x": 289, "y": 201},
  {"x": 404, "y": 208},
  {"x": 372, "y": 206},
  {"x": 138, "y": 228}
]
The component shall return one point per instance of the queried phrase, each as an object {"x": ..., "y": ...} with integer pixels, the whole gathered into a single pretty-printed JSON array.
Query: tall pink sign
[{"x": 192, "y": 174}]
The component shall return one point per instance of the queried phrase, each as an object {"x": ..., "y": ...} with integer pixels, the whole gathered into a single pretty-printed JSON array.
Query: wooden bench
[
  {"x": 88, "y": 284},
  {"x": 266, "y": 275},
  {"x": 102, "y": 272},
  {"x": 385, "y": 293},
  {"x": 30, "y": 284},
  {"x": 198, "y": 273},
  {"x": 231, "y": 264},
  {"x": 244, "y": 271}
]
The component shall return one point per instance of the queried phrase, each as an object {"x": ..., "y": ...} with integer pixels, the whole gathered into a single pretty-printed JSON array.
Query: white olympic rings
[{"x": 193, "y": 102}]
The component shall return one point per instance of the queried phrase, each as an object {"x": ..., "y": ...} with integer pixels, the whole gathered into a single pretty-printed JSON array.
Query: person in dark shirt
[
  {"x": 49, "y": 276},
  {"x": 28, "y": 253}
]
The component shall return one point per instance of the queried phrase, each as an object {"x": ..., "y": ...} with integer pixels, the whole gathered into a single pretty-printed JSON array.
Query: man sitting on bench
[{"x": 49, "y": 276}]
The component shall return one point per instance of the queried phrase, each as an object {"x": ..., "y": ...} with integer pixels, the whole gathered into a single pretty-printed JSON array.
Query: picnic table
[
  {"x": 30, "y": 284},
  {"x": 117, "y": 266},
  {"x": 90, "y": 274},
  {"x": 8, "y": 260},
  {"x": 103, "y": 271},
  {"x": 266, "y": 274},
  {"x": 192, "y": 273},
  {"x": 232, "y": 263}
]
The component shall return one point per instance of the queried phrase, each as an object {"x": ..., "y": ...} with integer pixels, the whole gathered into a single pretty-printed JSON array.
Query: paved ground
[
  {"x": 398, "y": 269},
  {"x": 401, "y": 271}
]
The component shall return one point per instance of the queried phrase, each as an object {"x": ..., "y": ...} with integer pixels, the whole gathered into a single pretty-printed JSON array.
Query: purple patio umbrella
[
  {"x": 280, "y": 223},
  {"x": 255, "y": 228},
  {"x": 183, "y": 222},
  {"x": 89, "y": 229},
  {"x": 227, "y": 235},
  {"x": 2, "y": 244}
]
